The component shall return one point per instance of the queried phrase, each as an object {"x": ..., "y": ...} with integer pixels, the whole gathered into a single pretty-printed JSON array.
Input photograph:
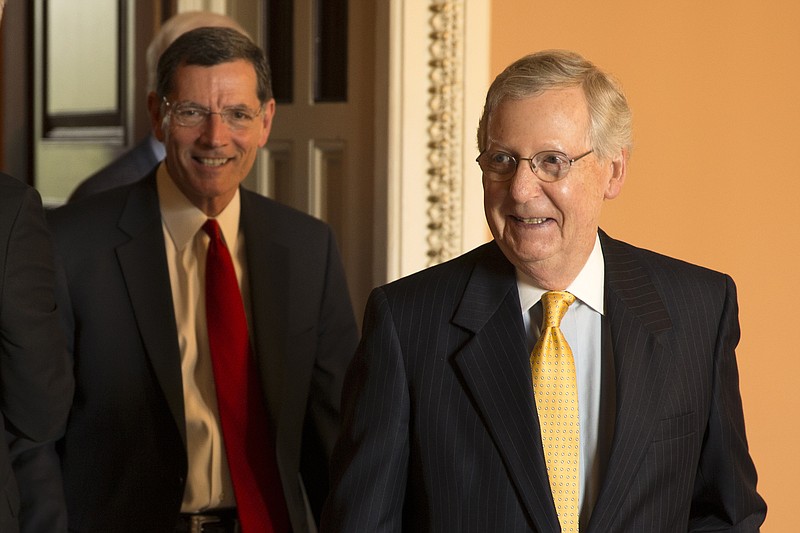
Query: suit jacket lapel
[
  {"x": 637, "y": 318},
  {"x": 496, "y": 371},
  {"x": 143, "y": 262},
  {"x": 269, "y": 271}
]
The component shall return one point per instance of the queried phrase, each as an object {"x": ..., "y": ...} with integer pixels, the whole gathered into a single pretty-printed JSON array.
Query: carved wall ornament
[{"x": 445, "y": 121}]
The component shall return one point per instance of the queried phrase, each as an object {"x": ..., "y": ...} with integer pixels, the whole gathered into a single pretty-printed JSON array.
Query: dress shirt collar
[
  {"x": 183, "y": 220},
  {"x": 587, "y": 287}
]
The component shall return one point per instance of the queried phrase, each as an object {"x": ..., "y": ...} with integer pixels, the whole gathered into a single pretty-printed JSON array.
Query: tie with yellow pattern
[{"x": 556, "y": 393}]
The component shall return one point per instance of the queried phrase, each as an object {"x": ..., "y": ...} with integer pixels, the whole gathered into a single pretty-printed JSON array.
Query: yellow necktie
[{"x": 556, "y": 393}]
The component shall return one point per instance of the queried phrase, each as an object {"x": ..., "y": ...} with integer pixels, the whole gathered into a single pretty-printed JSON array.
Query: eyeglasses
[
  {"x": 191, "y": 115},
  {"x": 549, "y": 165}
]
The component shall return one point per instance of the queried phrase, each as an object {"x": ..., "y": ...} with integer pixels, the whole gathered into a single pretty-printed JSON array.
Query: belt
[{"x": 219, "y": 521}]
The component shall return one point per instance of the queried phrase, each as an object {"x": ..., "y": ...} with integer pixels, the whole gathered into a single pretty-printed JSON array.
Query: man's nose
[
  {"x": 215, "y": 130},
  {"x": 524, "y": 183}
]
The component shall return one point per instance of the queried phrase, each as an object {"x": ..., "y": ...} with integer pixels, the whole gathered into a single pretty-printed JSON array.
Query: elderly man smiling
[{"x": 554, "y": 379}]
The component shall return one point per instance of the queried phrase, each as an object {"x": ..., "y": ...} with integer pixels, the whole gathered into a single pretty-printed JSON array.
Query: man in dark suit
[
  {"x": 145, "y": 449},
  {"x": 445, "y": 422},
  {"x": 35, "y": 379},
  {"x": 135, "y": 163},
  {"x": 129, "y": 167}
]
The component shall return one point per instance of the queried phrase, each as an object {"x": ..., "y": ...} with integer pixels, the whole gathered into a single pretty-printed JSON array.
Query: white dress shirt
[
  {"x": 208, "y": 483},
  {"x": 582, "y": 328}
]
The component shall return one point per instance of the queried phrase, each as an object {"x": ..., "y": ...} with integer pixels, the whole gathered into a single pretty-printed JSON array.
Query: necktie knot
[
  {"x": 555, "y": 304},
  {"x": 211, "y": 227}
]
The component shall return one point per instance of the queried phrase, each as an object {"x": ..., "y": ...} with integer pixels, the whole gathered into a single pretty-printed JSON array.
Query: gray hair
[{"x": 610, "y": 117}]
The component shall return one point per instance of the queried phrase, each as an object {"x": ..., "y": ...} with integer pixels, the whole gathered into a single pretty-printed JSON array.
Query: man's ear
[
  {"x": 619, "y": 169},
  {"x": 156, "y": 122}
]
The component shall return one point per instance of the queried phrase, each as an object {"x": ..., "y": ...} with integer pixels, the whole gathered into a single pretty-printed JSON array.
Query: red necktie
[{"x": 248, "y": 442}]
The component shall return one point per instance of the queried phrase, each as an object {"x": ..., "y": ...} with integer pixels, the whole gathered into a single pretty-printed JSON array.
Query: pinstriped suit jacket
[{"x": 440, "y": 429}]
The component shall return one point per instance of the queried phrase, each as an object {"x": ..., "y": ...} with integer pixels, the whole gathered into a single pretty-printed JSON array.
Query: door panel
[{"x": 319, "y": 158}]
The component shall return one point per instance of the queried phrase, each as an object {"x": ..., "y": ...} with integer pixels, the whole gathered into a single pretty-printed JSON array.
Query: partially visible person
[
  {"x": 554, "y": 379},
  {"x": 36, "y": 381},
  {"x": 175, "y": 282},
  {"x": 145, "y": 155}
]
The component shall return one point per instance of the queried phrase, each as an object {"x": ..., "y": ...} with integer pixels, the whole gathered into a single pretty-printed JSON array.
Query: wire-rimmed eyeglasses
[
  {"x": 191, "y": 115},
  {"x": 549, "y": 165}
]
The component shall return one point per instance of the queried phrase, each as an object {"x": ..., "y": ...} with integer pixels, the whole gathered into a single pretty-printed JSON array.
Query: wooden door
[{"x": 319, "y": 158}]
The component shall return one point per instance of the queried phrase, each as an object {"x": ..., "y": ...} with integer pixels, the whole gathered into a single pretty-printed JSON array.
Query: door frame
[{"x": 416, "y": 60}]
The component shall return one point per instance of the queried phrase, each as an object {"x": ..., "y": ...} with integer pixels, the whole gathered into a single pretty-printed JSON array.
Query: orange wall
[{"x": 715, "y": 173}]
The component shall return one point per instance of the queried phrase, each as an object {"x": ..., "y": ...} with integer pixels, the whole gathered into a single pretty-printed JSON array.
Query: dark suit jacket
[
  {"x": 441, "y": 432},
  {"x": 35, "y": 378},
  {"x": 124, "y": 170},
  {"x": 124, "y": 453}
]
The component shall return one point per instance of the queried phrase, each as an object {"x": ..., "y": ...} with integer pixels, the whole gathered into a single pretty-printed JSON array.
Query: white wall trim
[{"x": 407, "y": 207}]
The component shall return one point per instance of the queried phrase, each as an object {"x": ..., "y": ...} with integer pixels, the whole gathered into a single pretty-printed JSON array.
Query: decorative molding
[
  {"x": 445, "y": 126},
  {"x": 408, "y": 86}
]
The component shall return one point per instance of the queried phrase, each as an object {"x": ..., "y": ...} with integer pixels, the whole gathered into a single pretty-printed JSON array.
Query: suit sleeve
[
  {"x": 725, "y": 496},
  {"x": 336, "y": 343},
  {"x": 36, "y": 379},
  {"x": 37, "y": 382},
  {"x": 370, "y": 462}
]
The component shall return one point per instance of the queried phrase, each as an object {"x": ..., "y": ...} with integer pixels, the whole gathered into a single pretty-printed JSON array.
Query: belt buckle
[{"x": 198, "y": 521}]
